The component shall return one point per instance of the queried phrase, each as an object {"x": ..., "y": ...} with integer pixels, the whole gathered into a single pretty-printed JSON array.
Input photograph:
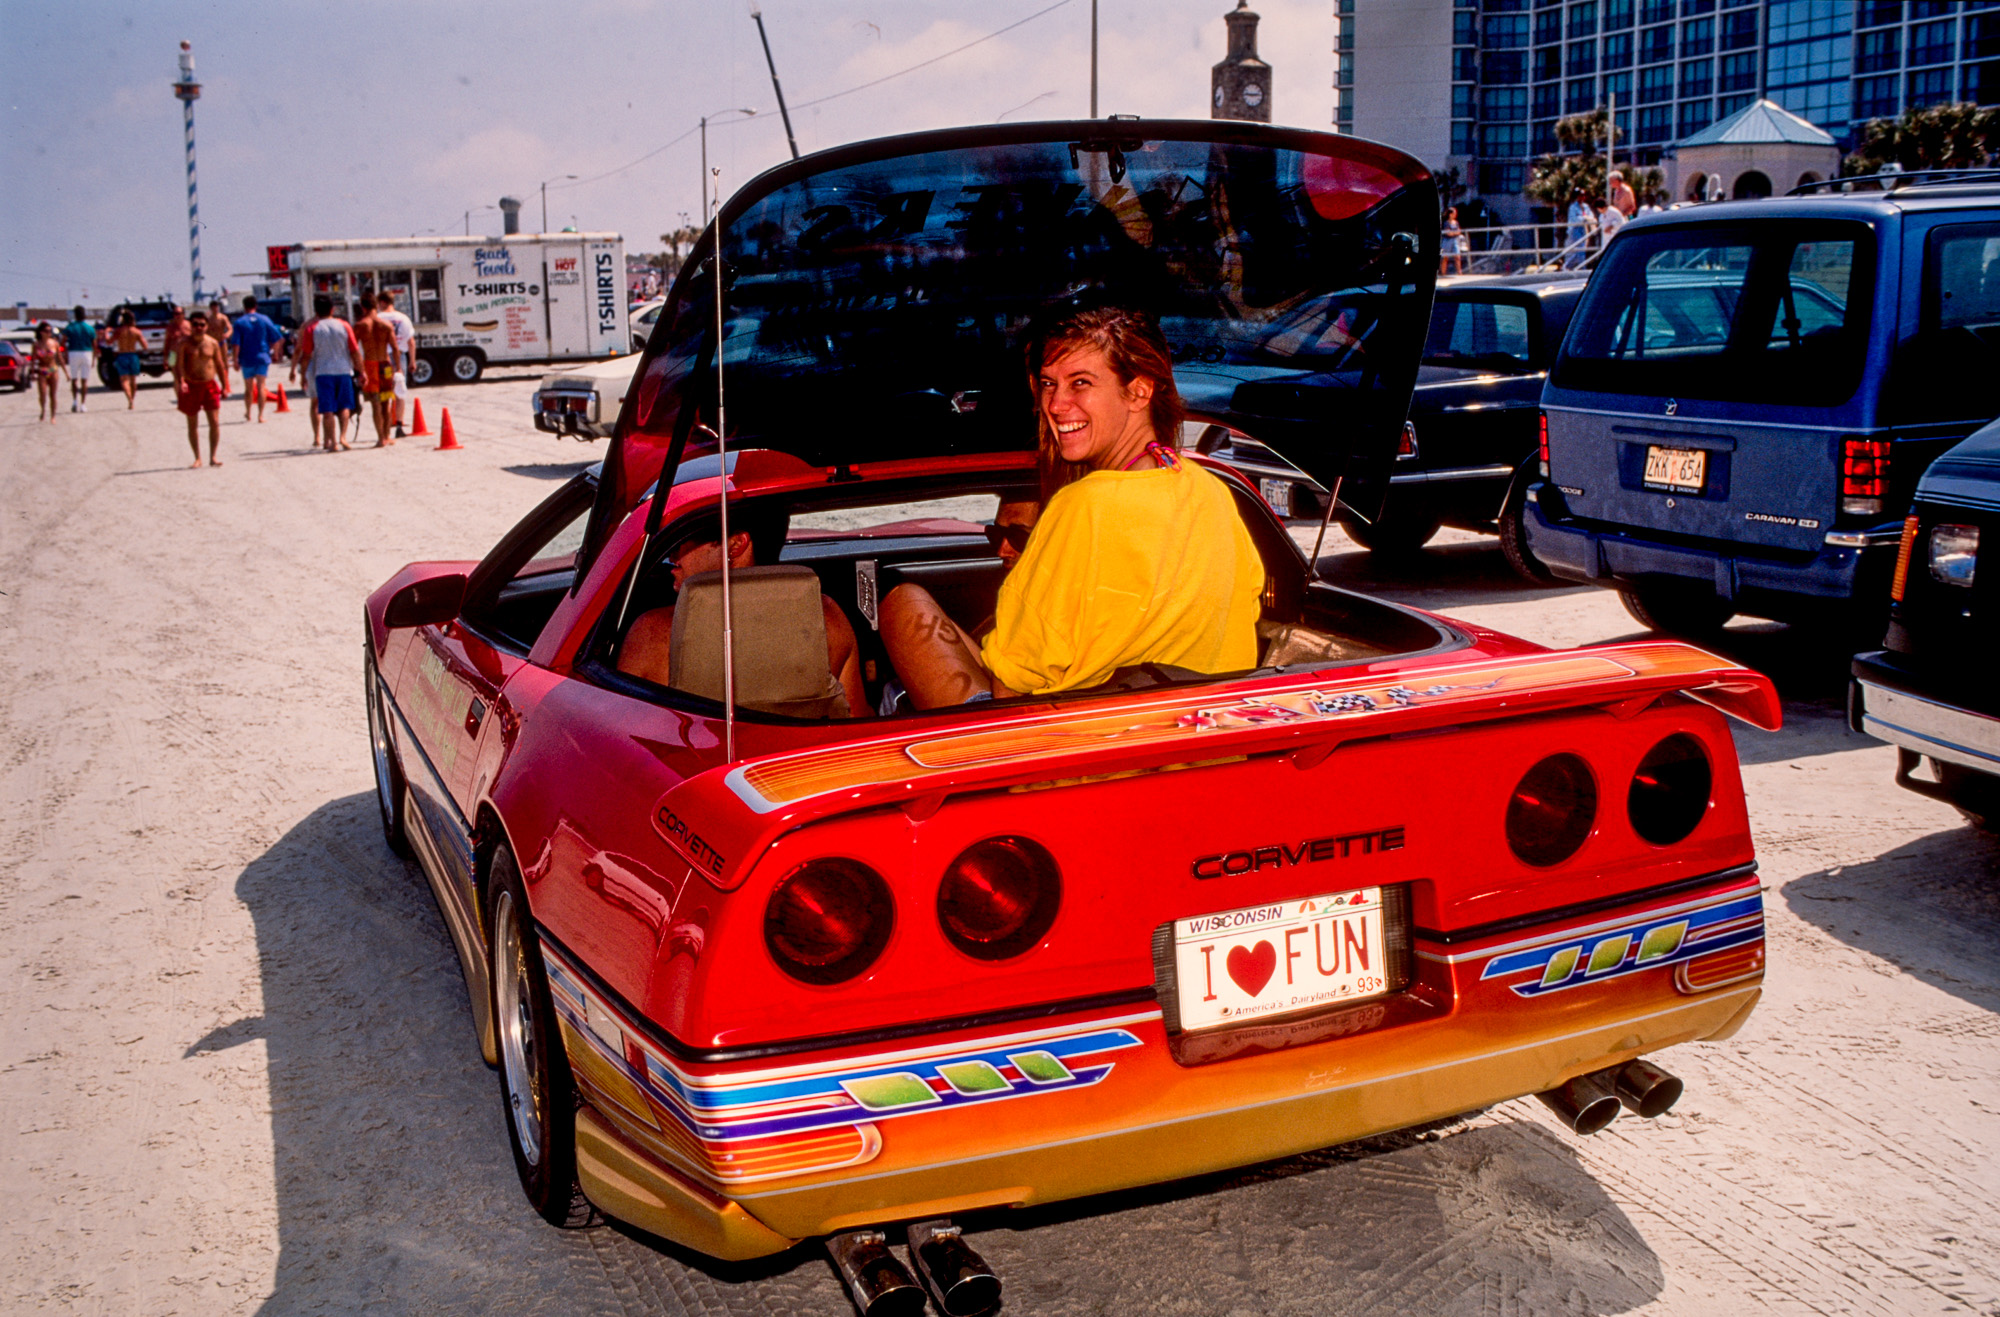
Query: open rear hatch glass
[{"x": 874, "y": 296}]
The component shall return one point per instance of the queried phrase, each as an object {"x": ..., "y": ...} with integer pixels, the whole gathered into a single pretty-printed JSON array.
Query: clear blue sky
[{"x": 366, "y": 119}]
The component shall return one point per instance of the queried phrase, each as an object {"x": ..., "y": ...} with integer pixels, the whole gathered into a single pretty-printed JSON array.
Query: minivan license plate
[
  {"x": 1676, "y": 468},
  {"x": 1278, "y": 493},
  {"x": 1266, "y": 960}
]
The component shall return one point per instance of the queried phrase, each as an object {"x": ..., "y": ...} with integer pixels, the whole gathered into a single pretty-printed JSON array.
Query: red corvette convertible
[{"x": 760, "y": 963}]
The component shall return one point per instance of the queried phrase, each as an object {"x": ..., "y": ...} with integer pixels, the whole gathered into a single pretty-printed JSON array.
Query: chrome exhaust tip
[
  {"x": 1645, "y": 1089},
  {"x": 1586, "y": 1104},
  {"x": 959, "y": 1280},
  {"x": 878, "y": 1284}
]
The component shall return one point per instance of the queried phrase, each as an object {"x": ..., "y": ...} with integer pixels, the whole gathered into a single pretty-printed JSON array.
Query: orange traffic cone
[
  {"x": 447, "y": 437},
  {"x": 417, "y": 426},
  {"x": 283, "y": 406}
]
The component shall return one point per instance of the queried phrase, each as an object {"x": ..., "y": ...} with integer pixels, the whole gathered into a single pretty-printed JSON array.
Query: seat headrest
[{"x": 780, "y": 641}]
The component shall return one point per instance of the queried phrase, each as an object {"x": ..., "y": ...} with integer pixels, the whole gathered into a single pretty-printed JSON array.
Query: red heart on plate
[{"x": 1252, "y": 968}]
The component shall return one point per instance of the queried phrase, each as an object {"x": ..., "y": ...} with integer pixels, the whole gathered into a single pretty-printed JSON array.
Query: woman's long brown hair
[{"x": 1132, "y": 342}]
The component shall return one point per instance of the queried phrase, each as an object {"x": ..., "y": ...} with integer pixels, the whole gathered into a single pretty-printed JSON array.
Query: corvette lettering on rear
[{"x": 1315, "y": 850}]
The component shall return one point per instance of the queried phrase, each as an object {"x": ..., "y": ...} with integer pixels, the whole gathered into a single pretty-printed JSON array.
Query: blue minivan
[{"x": 1749, "y": 391}]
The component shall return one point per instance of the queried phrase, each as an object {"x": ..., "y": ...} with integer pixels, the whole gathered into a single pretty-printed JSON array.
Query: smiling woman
[{"x": 1139, "y": 558}]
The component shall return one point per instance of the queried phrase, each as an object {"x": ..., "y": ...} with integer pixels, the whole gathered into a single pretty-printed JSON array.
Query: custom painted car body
[{"x": 1416, "y": 866}]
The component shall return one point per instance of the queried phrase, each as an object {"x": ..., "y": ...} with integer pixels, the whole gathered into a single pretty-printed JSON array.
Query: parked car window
[
  {"x": 1771, "y": 314},
  {"x": 1944, "y": 370},
  {"x": 1479, "y": 334}
]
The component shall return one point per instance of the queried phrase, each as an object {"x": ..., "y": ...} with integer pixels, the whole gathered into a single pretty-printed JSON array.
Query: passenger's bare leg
[{"x": 936, "y": 659}]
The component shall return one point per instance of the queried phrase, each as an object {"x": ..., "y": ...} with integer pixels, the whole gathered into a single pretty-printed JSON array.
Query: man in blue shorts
[
  {"x": 329, "y": 356},
  {"x": 255, "y": 334},
  {"x": 80, "y": 341}
]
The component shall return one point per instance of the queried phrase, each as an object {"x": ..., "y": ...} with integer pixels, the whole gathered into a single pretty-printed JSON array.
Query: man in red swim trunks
[{"x": 197, "y": 363}]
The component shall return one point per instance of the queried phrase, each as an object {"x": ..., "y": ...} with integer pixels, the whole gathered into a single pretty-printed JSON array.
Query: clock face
[
  {"x": 1253, "y": 95},
  {"x": 1218, "y": 98}
]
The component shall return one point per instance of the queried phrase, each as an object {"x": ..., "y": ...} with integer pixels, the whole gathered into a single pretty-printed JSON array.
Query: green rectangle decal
[{"x": 891, "y": 1092}]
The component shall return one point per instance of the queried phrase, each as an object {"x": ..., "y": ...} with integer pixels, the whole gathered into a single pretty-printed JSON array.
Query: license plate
[
  {"x": 1245, "y": 965},
  {"x": 1676, "y": 468},
  {"x": 1278, "y": 493}
]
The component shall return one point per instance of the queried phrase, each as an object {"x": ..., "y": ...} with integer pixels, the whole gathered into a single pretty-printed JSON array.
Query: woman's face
[{"x": 1095, "y": 418}]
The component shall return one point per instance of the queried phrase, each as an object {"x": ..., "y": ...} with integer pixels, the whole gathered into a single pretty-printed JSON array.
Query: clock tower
[{"x": 1242, "y": 82}]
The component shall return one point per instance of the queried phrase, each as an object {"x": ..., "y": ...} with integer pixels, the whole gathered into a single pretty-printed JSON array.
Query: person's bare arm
[
  {"x": 644, "y": 653},
  {"x": 843, "y": 656}
]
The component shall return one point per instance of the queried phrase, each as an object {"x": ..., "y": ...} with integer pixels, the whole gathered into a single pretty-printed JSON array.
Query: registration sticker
[
  {"x": 1676, "y": 468},
  {"x": 1267, "y": 960}
]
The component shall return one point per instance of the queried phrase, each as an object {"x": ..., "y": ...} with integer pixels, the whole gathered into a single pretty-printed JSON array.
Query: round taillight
[
  {"x": 999, "y": 897},
  {"x": 1670, "y": 790},
  {"x": 1552, "y": 810},
  {"x": 828, "y": 920}
]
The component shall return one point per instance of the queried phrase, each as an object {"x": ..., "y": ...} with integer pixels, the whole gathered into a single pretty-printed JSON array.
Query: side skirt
[{"x": 456, "y": 894}]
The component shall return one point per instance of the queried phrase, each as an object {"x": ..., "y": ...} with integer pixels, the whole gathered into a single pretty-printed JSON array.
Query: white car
[
  {"x": 644, "y": 316},
  {"x": 584, "y": 400}
]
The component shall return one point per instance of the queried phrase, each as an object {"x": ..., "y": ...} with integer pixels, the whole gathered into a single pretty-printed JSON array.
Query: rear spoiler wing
[{"x": 722, "y": 820}]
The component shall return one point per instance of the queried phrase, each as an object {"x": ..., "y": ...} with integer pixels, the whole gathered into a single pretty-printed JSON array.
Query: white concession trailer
[{"x": 524, "y": 297}]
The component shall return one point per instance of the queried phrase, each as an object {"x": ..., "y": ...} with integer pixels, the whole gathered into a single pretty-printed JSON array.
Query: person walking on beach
[
  {"x": 405, "y": 354},
  {"x": 378, "y": 343},
  {"x": 197, "y": 364},
  {"x": 330, "y": 354},
  {"x": 126, "y": 345},
  {"x": 80, "y": 340},
  {"x": 252, "y": 342},
  {"x": 219, "y": 329},
  {"x": 44, "y": 364}
]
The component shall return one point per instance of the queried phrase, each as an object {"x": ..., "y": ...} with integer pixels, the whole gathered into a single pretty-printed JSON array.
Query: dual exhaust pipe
[
  {"x": 1590, "y": 1102},
  {"x": 957, "y": 1278}
]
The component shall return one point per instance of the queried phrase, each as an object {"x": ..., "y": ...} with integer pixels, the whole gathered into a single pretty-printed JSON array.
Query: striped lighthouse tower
[{"x": 189, "y": 91}]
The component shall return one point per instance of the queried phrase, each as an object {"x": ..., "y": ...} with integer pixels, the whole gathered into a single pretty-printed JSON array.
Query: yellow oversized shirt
[{"x": 1129, "y": 567}]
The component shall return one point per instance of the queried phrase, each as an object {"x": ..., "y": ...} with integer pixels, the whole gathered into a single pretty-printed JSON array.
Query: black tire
[
  {"x": 1513, "y": 531},
  {"x": 1674, "y": 609},
  {"x": 423, "y": 371},
  {"x": 389, "y": 793},
  {"x": 1974, "y": 794},
  {"x": 1397, "y": 533},
  {"x": 466, "y": 367},
  {"x": 535, "y": 1083}
]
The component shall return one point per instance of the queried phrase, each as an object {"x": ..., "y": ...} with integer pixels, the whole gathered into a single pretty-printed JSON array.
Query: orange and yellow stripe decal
[{"x": 1194, "y": 717}]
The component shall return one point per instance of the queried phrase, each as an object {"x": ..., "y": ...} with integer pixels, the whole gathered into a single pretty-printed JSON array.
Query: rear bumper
[
  {"x": 1890, "y": 702},
  {"x": 656, "y": 1145},
  {"x": 1612, "y": 558}
]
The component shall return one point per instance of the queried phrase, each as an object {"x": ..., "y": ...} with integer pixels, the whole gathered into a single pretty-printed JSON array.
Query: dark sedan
[
  {"x": 1470, "y": 446},
  {"x": 1928, "y": 691}
]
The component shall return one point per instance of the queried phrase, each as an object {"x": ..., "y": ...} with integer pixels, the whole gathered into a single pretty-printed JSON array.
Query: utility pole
[
  {"x": 708, "y": 210},
  {"x": 1093, "y": 59},
  {"x": 188, "y": 91},
  {"x": 757, "y": 13}
]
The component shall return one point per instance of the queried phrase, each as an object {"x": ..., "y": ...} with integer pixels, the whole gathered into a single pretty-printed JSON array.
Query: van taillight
[
  {"x": 1864, "y": 476},
  {"x": 1543, "y": 448},
  {"x": 1903, "y": 552}
]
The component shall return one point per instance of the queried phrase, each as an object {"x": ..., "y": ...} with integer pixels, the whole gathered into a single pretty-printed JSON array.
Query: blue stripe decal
[{"x": 1561, "y": 963}]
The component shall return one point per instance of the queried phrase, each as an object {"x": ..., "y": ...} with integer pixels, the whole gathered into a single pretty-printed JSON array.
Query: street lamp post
[
  {"x": 746, "y": 112},
  {"x": 545, "y": 198}
]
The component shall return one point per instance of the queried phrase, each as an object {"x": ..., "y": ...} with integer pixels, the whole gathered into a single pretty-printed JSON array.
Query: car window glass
[
  {"x": 1775, "y": 313},
  {"x": 1943, "y": 371},
  {"x": 515, "y": 591},
  {"x": 1477, "y": 333},
  {"x": 932, "y": 516}
]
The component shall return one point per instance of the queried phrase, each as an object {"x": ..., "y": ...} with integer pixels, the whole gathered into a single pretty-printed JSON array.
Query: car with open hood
[{"x": 753, "y": 972}]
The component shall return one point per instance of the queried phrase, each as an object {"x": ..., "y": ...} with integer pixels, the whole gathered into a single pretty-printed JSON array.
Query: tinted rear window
[
  {"x": 1479, "y": 335},
  {"x": 1772, "y": 313},
  {"x": 1945, "y": 371}
]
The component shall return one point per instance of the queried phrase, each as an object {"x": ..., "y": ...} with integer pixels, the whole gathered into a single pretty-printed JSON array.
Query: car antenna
[
  {"x": 1332, "y": 502},
  {"x": 722, "y": 456}
]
